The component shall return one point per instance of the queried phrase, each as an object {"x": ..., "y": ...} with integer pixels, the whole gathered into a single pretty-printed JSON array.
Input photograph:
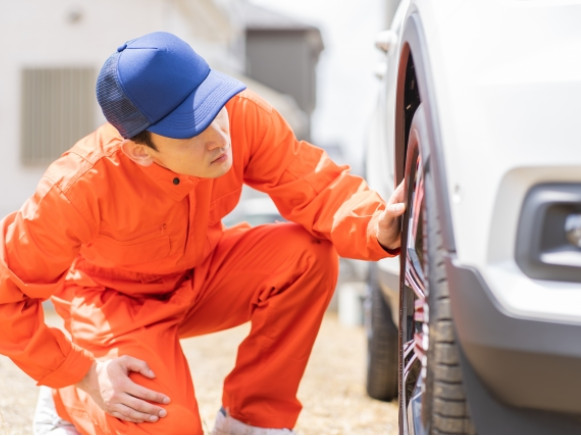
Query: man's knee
[
  {"x": 319, "y": 255},
  {"x": 179, "y": 420},
  {"x": 77, "y": 407}
]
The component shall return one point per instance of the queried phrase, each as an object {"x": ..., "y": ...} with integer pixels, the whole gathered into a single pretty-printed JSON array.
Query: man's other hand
[{"x": 109, "y": 384}]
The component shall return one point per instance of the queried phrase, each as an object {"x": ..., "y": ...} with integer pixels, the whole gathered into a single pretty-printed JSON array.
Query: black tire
[
  {"x": 446, "y": 407},
  {"x": 432, "y": 395},
  {"x": 381, "y": 343}
]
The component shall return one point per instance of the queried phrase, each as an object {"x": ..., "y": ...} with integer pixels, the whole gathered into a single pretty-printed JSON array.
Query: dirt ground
[{"x": 332, "y": 391}]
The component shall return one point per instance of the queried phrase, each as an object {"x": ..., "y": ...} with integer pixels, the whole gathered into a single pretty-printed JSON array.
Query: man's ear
[{"x": 138, "y": 153}]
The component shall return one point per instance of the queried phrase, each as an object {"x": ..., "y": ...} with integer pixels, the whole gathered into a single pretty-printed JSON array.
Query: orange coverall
[{"x": 136, "y": 258}]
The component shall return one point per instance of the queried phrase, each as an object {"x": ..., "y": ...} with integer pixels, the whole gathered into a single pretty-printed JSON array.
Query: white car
[{"x": 480, "y": 113}]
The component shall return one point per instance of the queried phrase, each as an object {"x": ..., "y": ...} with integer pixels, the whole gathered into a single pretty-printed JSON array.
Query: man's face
[{"x": 207, "y": 155}]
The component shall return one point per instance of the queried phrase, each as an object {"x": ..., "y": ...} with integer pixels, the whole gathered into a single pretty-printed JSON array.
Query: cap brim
[{"x": 198, "y": 110}]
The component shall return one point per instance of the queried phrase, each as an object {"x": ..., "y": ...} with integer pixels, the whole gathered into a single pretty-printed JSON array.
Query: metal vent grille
[{"x": 58, "y": 106}]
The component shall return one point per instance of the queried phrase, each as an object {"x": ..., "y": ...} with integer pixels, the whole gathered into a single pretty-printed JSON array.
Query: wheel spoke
[
  {"x": 418, "y": 201},
  {"x": 419, "y": 345},
  {"x": 408, "y": 348},
  {"x": 419, "y": 312},
  {"x": 414, "y": 271},
  {"x": 410, "y": 358},
  {"x": 414, "y": 277}
]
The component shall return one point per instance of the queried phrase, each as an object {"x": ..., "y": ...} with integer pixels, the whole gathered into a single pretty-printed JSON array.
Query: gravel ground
[{"x": 332, "y": 391}]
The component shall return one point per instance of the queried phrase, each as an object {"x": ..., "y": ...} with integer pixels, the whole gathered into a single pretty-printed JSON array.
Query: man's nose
[{"x": 216, "y": 137}]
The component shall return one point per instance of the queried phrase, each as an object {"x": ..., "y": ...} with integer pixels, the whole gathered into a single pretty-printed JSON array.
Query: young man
[{"x": 124, "y": 233}]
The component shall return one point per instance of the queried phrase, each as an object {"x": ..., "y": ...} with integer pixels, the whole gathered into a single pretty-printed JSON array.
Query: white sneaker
[
  {"x": 225, "y": 424},
  {"x": 46, "y": 420}
]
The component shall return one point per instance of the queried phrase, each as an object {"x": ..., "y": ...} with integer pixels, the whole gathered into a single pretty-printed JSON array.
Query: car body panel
[
  {"x": 507, "y": 92},
  {"x": 508, "y": 120}
]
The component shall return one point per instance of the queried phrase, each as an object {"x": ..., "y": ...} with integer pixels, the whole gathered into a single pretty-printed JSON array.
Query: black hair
[{"x": 144, "y": 137}]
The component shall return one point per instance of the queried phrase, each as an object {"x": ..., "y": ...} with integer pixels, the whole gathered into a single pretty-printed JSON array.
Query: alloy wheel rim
[{"x": 415, "y": 338}]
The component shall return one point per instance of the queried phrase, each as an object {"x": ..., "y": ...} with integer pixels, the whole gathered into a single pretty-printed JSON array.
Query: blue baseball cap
[{"x": 157, "y": 82}]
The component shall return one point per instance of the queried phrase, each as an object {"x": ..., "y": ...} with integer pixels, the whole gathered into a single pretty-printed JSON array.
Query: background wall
[{"x": 346, "y": 83}]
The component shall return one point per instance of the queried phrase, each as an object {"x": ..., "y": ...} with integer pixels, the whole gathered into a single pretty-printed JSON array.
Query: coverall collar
[{"x": 174, "y": 185}]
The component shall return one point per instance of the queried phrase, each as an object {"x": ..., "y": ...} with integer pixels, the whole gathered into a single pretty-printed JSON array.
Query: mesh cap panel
[{"x": 116, "y": 106}]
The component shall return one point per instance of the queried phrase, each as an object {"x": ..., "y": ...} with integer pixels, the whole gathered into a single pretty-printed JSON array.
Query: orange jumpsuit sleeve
[
  {"x": 37, "y": 247},
  {"x": 306, "y": 185}
]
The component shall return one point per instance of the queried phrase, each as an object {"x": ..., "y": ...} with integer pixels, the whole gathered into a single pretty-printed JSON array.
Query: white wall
[
  {"x": 347, "y": 87},
  {"x": 40, "y": 33}
]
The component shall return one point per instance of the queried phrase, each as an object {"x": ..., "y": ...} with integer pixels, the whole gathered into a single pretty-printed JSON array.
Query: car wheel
[
  {"x": 381, "y": 343},
  {"x": 432, "y": 398}
]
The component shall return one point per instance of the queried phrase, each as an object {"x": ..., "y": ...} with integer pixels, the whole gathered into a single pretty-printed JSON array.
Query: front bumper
[{"x": 521, "y": 374}]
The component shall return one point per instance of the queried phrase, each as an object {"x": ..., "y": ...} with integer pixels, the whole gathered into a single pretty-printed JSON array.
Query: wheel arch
[{"x": 414, "y": 86}]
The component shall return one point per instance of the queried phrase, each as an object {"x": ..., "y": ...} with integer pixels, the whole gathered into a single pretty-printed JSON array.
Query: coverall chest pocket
[{"x": 141, "y": 251}]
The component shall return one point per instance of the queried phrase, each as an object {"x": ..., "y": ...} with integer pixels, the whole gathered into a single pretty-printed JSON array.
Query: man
[{"x": 124, "y": 233}]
